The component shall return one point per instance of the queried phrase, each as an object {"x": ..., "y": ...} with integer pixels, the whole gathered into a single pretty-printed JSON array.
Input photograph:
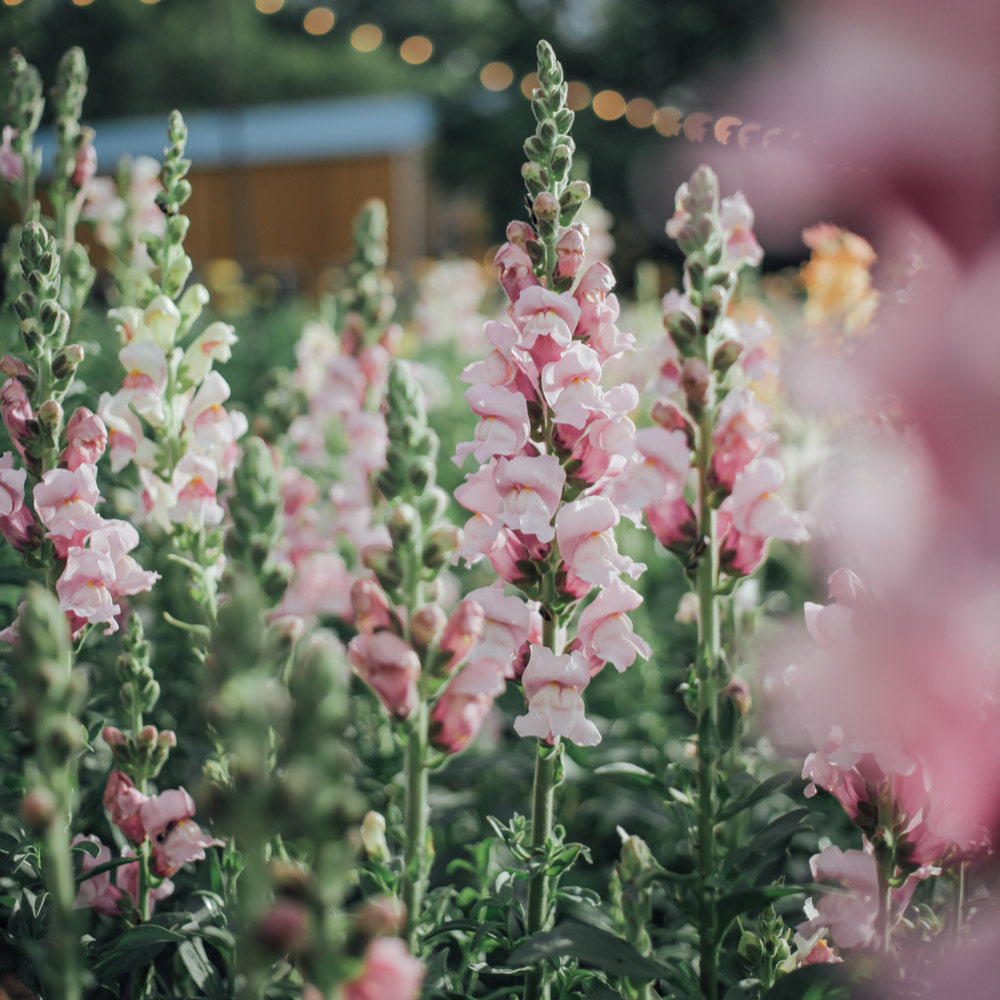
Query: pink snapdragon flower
[
  {"x": 64, "y": 501},
  {"x": 741, "y": 434},
  {"x": 539, "y": 312},
  {"x": 572, "y": 385},
  {"x": 507, "y": 625},
  {"x": 86, "y": 439},
  {"x": 516, "y": 270},
  {"x": 96, "y": 892},
  {"x": 16, "y": 519},
  {"x": 736, "y": 218},
  {"x": 659, "y": 471},
  {"x": 756, "y": 509},
  {"x": 145, "y": 381},
  {"x": 390, "y": 666},
  {"x": 457, "y": 718},
  {"x": 214, "y": 343},
  {"x": 553, "y": 685},
  {"x": 16, "y": 411},
  {"x": 123, "y": 801},
  {"x": 167, "y": 821},
  {"x": 390, "y": 973},
  {"x": 124, "y": 430},
  {"x": 503, "y": 425},
  {"x": 587, "y": 542},
  {"x": 11, "y": 165},
  {"x": 850, "y": 917},
  {"x": 605, "y": 633},
  {"x": 530, "y": 489}
]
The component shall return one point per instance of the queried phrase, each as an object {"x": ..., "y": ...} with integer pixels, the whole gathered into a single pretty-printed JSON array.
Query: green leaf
[
  {"x": 753, "y": 900},
  {"x": 812, "y": 982},
  {"x": 591, "y": 946},
  {"x": 628, "y": 770},
  {"x": 192, "y": 954},
  {"x": 756, "y": 794},
  {"x": 775, "y": 834}
]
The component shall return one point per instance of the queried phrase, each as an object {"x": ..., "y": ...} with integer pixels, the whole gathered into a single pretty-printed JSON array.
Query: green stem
[
  {"x": 63, "y": 966},
  {"x": 415, "y": 855},
  {"x": 706, "y": 667},
  {"x": 542, "y": 817},
  {"x": 884, "y": 866},
  {"x": 959, "y": 901}
]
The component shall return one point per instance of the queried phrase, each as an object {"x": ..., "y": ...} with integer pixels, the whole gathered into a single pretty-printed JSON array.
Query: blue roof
[{"x": 275, "y": 133}]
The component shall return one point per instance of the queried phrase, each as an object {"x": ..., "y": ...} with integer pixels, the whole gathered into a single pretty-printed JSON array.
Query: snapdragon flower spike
[
  {"x": 551, "y": 441},
  {"x": 165, "y": 819}
]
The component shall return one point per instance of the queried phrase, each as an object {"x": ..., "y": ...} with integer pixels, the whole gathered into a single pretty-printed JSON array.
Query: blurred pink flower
[
  {"x": 390, "y": 973},
  {"x": 390, "y": 666}
]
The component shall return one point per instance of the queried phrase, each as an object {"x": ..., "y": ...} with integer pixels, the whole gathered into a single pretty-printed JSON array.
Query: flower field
[{"x": 481, "y": 632}]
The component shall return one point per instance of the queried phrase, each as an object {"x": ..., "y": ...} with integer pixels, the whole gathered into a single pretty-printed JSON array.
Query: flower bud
[
  {"x": 373, "y": 836},
  {"x": 725, "y": 355},
  {"x": 545, "y": 207},
  {"x": 113, "y": 736},
  {"x": 440, "y": 545},
  {"x": 695, "y": 380},
  {"x": 403, "y": 523},
  {"x": 285, "y": 928},
  {"x": 739, "y": 691},
  {"x": 381, "y": 916},
  {"x": 426, "y": 624},
  {"x": 66, "y": 362},
  {"x": 39, "y": 809}
]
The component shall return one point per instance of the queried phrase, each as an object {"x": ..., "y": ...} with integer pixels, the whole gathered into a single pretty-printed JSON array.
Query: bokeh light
[
  {"x": 640, "y": 112},
  {"x": 83, "y": 3},
  {"x": 529, "y": 84},
  {"x": 319, "y": 21},
  {"x": 496, "y": 76},
  {"x": 11, "y": 3},
  {"x": 269, "y": 6},
  {"x": 609, "y": 105},
  {"x": 416, "y": 49},
  {"x": 577, "y": 95},
  {"x": 150, "y": 2},
  {"x": 668, "y": 120},
  {"x": 366, "y": 37}
]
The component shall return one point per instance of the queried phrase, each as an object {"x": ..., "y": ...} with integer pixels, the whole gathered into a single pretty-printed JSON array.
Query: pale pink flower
[
  {"x": 754, "y": 358},
  {"x": 757, "y": 510},
  {"x": 214, "y": 343},
  {"x": 194, "y": 483},
  {"x": 461, "y": 632},
  {"x": 591, "y": 294},
  {"x": 15, "y": 518},
  {"x": 540, "y": 312},
  {"x": 584, "y": 531},
  {"x": 552, "y": 685},
  {"x": 658, "y": 472},
  {"x": 85, "y": 588},
  {"x": 740, "y": 435},
  {"x": 85, "y": 163},
  {"x": 457, "y": 718},
  {"x": 123, "y": 802},
  {"x": 507, "y": 624},
  {"x": 125, "y": 437},
  {"x": 116, "y": 539},
  {"x": 213, "y": 429},
  {"x": 572, "y": 385},
  {"x": 850, "y": 917},
  {"x": 368, "y": 439},
  {"x": 390, "y": 973},
  {"x": 145, "y": 380},
  {"x": 321, "y": 586},
  {"x": 86, "y": 439},
  {"x": 516, "y": 270},
  {"x": 605, "y": 632},
  {"x": 167, "y": 821},
  {"x": 570, "y": 249},
  {"x": 96, "y": 892},
  {"x": 503, "y": 425},
  {"x": 127, "y": 877},
  {"x": 739, "y": 553},
  {"x": 65, "y": 500},
  {"x": 530, "y": 490},
  {"x": 370, "y": 606},
  {"x": 736, "y": 219},
  {"x": 607, "y": 441},
  {"x": 11, "y": 166},
  {"x": 673, "y": 522},
  {"x": 15, "y": 408},
  {"x": 390, "y": 666}
]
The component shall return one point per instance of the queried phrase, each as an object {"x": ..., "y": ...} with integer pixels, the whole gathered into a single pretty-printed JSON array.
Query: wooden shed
[{"x": 276, "y": 187}]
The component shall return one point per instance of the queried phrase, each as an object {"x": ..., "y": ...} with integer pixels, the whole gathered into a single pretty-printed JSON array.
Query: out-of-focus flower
[{"x": 390, "y": 973}]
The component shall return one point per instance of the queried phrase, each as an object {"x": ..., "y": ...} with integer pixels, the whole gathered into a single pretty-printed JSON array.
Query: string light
[
  {"x": 496, "y": 76},
  {"x": 416, "y": 49},
  {"x": 366, "y": 37},
  {"x": 319, "y": 21},
  {"x": 608, "y": 105}
]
